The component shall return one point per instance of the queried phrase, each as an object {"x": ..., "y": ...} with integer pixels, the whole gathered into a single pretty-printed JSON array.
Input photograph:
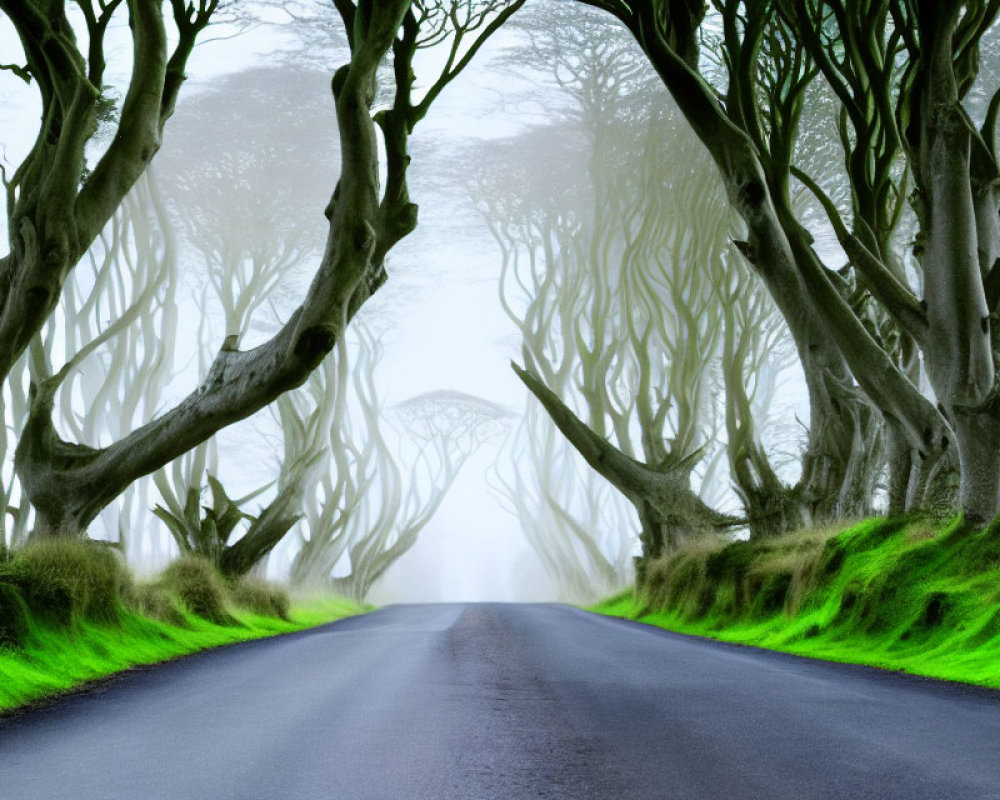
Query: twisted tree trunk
[
  {"x": 957, "y": 178},
  {"x": 670, "y": 512},
  {"x": 264, "y": 533},
  {"x": 832, "y": 342},
  {"x": 56, "y": 209},
  {"x": 69, "y": 483}
]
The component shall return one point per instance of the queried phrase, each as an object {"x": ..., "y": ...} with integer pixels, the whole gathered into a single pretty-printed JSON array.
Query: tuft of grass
[
  {"x": 904, "y": 594},
  {"x": 196, "y": 584},
  {"x": 70, "y": 613},
  {"x": 65, "y": 580},
  {"x": 156, "y": 601},
  {"x": 260, "y": 597}
]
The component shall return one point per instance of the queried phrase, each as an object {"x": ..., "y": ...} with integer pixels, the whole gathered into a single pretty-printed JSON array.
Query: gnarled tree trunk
[
  {"x": 70, "y": 483},
  {"x": 670, "y": 512}
]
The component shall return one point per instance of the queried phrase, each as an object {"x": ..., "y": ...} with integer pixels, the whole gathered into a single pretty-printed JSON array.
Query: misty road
[{"x": 473, "y": 702}]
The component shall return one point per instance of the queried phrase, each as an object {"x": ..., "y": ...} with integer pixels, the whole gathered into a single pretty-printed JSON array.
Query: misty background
[{"x": 511, "y": 124}]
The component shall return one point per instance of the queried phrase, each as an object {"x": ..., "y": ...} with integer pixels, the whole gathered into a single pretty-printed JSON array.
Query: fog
[{"x": 439, "y": 318}]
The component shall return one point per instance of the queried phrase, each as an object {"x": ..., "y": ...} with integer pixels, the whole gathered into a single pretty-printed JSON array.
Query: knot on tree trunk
[
  {"x": 314, "y": 343},
  {"x": 751, "y": 193}
]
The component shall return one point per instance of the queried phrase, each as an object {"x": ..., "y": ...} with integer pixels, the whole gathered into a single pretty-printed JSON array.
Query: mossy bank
[
  {"x": 71, "y": 612},
  {"x": 904, "y": 594}
]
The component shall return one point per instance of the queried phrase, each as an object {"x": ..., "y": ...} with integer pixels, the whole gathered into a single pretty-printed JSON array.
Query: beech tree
[
  {"x": 637, "y": 324},
  {"x": 69, "y": 483},
  {"x": 616, "y": 292},
  {"x": 239, "y": 218},
  {"x": 116, "y": 319},
  {"x": 648, "y": 326},
  {"x": 333, "y": 398},
  {"x": 234, "y": 539},
  {"x": 910, "y": 108},
  {"x": 583, "y": 529},
  {"x": 901, "y": 71},
  {"x": 746, "y": 113},
  {"x": 57, "y": 202},
  {"x": 754, "y": 357},
  {"x": 240, "y": 199},
  {"x": 442, "y": 430}
]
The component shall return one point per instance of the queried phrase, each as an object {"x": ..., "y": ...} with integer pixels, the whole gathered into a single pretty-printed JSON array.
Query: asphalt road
[{"x": 474, "y": 702}]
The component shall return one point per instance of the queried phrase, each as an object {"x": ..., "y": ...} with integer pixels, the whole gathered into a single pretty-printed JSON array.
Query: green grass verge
[
  {"x": 56, "y": 659},
  {"x": 71, "y": 613},
  {"x": 902, "y": 594}
]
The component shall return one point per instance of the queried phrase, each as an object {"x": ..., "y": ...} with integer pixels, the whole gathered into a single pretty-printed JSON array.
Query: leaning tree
[
  {"x": 69, "y": 483},
  {"x": 746, "y": 109},
  {"x": 582, "y": 529},
  {"x": 644, "y": 335},
  {"x": 244, "y": 224},
  {"x": 240, "y": 196},
  {"x": 633, "y": 329},
  {"x": 621, "y": 320},
  {"x": 117, "y": 319},
  {"x": 58, "y": 199}
]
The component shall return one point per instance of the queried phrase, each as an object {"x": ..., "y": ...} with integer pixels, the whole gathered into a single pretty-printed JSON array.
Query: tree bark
[
  {"x": 957, "y": 179},
  {"x": 264, "y": 534},
  {"x": 978, "y": 439}
]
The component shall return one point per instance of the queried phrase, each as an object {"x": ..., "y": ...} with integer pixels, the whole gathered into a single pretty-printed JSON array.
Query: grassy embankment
[
  {"x": 70, "y": 612},
  {"x": 902, "y": 594}
]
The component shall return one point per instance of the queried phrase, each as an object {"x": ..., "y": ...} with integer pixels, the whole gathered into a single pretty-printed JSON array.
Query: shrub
[
  {"x": 260, "y": 597},
  {"x": 194, "y": 582},
  {"x": 63, "y": 579}
]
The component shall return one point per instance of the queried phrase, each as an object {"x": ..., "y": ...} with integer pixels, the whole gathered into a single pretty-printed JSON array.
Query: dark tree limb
[
  {"x": 897, "y": 298},
  {"x": 667, "y": 492}
]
